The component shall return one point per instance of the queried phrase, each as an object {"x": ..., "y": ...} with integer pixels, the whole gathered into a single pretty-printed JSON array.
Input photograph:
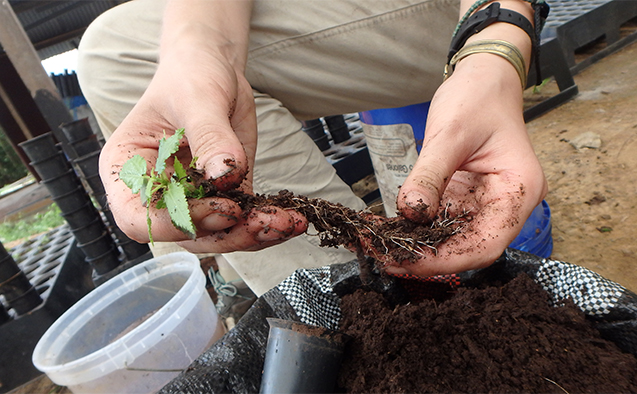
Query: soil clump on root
[
  {"x": 393, "y": 241},
  {"x": 496, "y": 339}
]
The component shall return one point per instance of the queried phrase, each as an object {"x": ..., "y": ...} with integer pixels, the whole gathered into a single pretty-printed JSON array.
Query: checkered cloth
[
  {"x": 592, "y": 293},
  {"x": 310, "y": 293}
]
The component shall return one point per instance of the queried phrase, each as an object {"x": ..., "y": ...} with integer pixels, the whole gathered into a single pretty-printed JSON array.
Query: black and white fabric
[
  {"x": 234, "y": 364},
  {"x": 592, "y": 293},
  {"x": 310, "y": 293}
]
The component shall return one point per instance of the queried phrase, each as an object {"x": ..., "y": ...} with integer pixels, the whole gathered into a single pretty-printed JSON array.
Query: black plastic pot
[
  {"x": 4, "y": 315},
  {"x": 314, "y": 128},
  {"x": 73, "y": 200},
  {"x": 8, "y": 268},
  {"x": 63, "y": 184},
  {"x": 51, "y": 167},
  {"x": 98, "y": 246},
  {"x": 133, "y": 249},
  {"x": 25, "y": 302},
  {"x": 82, "y": 216},
  {"x": 338, "y": 128},
  {"x": 301, "y": 359},
  {"x": 18, "y": 293},
  {"x": 88, "y": 233},
  {"x": 121, "y": 238},
  {"x": 40, "y": 147},
  {"x": 3, "y": 252},
  {"x": 89, "y": 163},
  {"x": 110, "y": 219},
  {"x": 87, "y": 146},
  {"x": 101, "y": 200},
  {"x": 106, "y": 262},
  {"x": 77, "y": 130},
  {"x": 95, "y": 184}
]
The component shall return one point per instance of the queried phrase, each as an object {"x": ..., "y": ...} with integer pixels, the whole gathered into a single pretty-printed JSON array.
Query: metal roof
[{"x": 56, "y": 26}]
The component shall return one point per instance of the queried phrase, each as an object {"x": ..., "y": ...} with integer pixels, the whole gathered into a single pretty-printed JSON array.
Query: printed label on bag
[{"x": 392, "y": 149}]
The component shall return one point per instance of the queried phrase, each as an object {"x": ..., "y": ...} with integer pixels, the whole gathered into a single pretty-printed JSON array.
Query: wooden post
[{"x": 26, "y": 61}]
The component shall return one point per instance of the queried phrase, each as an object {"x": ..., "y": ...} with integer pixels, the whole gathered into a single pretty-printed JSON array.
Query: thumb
[
  {"x": 222, "y": 150},
  {"x": 419, "y": 196},
  {"x": 222, "y": 157}
]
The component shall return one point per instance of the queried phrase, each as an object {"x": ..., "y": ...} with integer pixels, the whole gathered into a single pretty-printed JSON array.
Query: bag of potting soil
[{"x": 312, "y": 296}]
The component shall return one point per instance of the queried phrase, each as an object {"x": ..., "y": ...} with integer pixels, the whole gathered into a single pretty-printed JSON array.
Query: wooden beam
[{"x": 26, "y": 61}]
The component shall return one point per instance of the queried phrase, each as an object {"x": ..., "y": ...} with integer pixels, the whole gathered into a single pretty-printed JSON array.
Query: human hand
[
  {"x": 204, "y": 93},
  {"x": 476, "y": 157}
]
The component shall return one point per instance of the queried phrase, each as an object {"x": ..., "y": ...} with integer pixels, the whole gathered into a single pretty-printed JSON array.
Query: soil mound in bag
[{"x": 235, "y": 363}]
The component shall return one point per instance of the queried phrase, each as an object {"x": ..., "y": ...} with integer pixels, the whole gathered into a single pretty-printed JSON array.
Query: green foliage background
[
  {"x": 25, "y": 227},
  {"x": 11, "y": 167}
]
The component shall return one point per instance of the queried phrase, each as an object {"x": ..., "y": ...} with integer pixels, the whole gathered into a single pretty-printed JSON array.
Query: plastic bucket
[
  {"x": 536, "y": 237},
  {"x": 135, "y": 332}
]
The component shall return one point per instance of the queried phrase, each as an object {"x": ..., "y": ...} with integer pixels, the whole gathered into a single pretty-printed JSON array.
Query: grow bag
[{"x": 312, "y": 296}]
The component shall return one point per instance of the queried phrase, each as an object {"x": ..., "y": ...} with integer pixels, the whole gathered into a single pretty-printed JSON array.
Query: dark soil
[
  {"x": 499, "y": 339},
  {"x": 393, "y": 241}
]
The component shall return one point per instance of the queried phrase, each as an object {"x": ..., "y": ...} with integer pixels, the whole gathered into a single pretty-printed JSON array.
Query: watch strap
[{"x": 483, "y": 18}]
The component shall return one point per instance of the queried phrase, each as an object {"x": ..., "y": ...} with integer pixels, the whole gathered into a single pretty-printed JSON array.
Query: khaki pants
[{"x": 307, "y": 59}]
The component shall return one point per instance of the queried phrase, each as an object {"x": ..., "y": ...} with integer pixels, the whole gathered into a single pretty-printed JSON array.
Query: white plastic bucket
[{"x": 135, "y": 332}]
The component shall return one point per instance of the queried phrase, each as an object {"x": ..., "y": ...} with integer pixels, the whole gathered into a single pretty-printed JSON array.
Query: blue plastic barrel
[{"x": 535, "y": 237}]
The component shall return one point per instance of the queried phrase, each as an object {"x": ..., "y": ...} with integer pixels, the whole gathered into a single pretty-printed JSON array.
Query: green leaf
[
  {"x": 160, "y": 204},
  {"x": 197, "y": 193},
  {"x": 133, "y": 173},
  {"x": 180, "y": 173},
  {"x": 175, "y": 199},
  {"x": 149, "y": 223},
  {"x": 167, "y": 147},
  {"x": 193, "y": 162},
  {"x": 147, "y": 191}
]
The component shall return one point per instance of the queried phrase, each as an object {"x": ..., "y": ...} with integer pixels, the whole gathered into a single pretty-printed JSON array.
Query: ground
[{"x": 592, "y": 191}]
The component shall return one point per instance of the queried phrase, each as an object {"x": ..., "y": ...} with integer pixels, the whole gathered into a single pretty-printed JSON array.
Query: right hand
[{"x": 203, "y": 93}]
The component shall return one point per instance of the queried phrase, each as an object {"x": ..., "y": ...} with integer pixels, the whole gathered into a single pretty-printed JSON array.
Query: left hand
[{"x": 477, "y": 157}]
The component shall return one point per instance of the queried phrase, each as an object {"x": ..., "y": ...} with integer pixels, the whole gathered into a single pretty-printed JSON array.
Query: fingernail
[
  {"x": 416, "y": 201},
  {"x": 220, "y": 165},
  {"x": 396, "y": 271},
  {"x": 218, "y": 221},
  {"x": 269, "y": 233}
]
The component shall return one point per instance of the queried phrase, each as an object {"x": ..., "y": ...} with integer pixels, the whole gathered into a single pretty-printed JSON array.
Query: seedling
[{"x": 167, "y": 190}]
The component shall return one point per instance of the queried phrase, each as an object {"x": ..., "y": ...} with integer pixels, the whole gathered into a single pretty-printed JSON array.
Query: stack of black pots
[
  {"x": 66, "y": 189},
  {"x": 338, "y": 128},
  {"x": 87, "y": 148},
  {"x": 19, "y": 294},
  {"x": 336, "y": 125}
]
